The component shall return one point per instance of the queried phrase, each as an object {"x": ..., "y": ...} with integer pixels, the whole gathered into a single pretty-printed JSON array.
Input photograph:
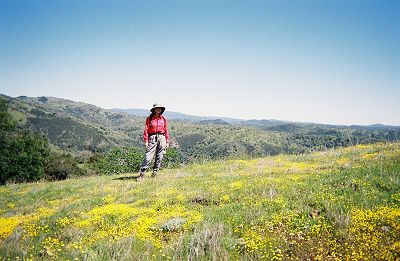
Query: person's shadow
[{"x": 127, "y": 178}]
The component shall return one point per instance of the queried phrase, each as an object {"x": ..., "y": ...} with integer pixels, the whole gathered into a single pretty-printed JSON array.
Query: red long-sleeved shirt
[{"x": 158, "y": 125}]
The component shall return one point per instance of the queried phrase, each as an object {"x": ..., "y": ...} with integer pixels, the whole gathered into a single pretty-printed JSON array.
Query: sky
[{"x": 335, "y": 62}]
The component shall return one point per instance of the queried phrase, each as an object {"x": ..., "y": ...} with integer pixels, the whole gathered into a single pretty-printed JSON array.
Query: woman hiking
[{"x": 155, "y": 137}]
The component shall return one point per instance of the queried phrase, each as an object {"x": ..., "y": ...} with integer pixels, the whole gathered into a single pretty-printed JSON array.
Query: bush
[
  {"x": 22, "y": 157},
  {"x": 120, "y": 160},
  {"x": 61, "y": 166},
  {"x": 172, "y": 158},
  {"x": 85, "y": 156}
]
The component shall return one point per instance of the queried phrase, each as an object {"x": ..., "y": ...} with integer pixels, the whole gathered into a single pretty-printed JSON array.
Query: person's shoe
[
  {"x": 141, "y": 176},
  {"x": 154, "y": 174}
]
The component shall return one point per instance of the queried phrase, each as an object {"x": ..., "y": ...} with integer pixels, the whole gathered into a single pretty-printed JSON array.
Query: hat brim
[{"x": 162, "y": 109}]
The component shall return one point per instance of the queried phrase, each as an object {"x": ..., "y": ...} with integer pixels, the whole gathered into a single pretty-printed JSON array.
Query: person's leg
[
  {"x": 151, "y": 149},
  {"x": 160, "y": 151}
]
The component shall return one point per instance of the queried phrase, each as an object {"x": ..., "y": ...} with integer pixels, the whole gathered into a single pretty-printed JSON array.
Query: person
[{"x": 156, "y": 138}]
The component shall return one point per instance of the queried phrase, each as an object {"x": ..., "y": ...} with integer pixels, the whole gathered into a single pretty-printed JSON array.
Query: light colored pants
[{"x": 157, "y": 145}]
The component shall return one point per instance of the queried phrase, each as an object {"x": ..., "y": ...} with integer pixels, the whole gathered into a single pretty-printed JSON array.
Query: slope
[
  {"x": 76, "y": 126},
  {"x": 337, "y": 204}
]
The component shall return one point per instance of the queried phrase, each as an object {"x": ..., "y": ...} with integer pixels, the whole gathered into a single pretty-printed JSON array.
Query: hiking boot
[
  {"x": 141, "y": 176},
  {"x": 154, "y": 174}
]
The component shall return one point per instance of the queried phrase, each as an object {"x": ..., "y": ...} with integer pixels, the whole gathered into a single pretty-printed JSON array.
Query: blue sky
[{"x": 321, "y": 61}]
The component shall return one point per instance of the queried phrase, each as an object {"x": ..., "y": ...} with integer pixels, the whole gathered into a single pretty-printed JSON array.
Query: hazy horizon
[
  {"x": 213, "y": 116},
  {"x": 331, "y": 62}
]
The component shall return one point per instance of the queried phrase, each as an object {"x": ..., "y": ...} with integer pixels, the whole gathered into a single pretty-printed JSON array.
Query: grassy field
[{"x": 338, "y": 204}]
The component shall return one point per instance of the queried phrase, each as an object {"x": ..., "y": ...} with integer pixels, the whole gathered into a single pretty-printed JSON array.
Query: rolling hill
[{"x": 77, "y": 127}]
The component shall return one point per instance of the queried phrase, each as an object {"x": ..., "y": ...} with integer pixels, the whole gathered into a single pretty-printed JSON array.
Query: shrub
[
  {"x": 61, "y": 166},
  {"x": 22, "y": 157},
  {"x": 85, "y": 156},
  {"x": 120, "y": 160},
  {"x": 172, "y": 158}
]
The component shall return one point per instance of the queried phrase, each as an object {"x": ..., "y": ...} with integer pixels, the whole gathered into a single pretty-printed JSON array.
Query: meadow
[{"x": 339, "y": 204}]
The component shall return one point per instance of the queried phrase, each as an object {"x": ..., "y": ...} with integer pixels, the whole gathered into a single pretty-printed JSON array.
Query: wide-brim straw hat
[{"x": 157, "y": 105}]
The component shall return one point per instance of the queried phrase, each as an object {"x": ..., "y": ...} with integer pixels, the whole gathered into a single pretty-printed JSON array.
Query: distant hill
[
  {"x": 178, "y": 116},
  {"x": 205, "y": 119},
  {"x": 215, "y": 122},
  {"x": 279, "y": 124},
  {"x": 376, "y": 127},
  {"x": 264, "y": 123},
  {"x": 77, "y": 127}
]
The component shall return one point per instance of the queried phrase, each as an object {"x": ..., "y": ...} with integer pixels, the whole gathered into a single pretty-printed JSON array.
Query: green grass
[{"x": 337, "y": 204}]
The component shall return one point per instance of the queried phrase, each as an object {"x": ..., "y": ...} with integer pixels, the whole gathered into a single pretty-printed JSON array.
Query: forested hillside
[{"x": 79, "y": 127}]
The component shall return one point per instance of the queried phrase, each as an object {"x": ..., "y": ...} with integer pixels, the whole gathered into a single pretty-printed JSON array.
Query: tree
[
  {"x": 22, "y": 154},
  {"x": 6, "y": 124},
  {"x": 25, "y": 157}
]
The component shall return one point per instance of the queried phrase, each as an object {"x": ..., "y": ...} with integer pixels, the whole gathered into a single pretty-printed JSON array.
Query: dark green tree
[
  {"x": 26, "y": 156},
  {"x": 22, "y": 154},
  {"x": 6, "y": 124}
]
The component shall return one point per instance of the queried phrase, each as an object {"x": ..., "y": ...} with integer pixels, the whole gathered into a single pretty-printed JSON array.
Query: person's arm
[
  {"x": 166, "y": 130},
  {"x": 146, "y": 132}
]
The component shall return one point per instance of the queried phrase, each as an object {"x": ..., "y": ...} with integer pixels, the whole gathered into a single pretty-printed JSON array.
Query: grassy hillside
[
  {"x": 77, "y": 127},
  {"x": 336, "y": 204}
]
